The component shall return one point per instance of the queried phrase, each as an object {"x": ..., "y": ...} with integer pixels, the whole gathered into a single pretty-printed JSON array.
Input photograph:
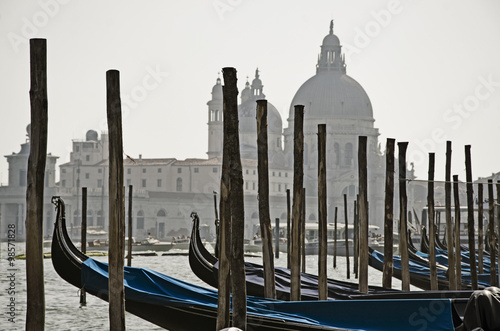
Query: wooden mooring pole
[
  {"x": 322, "y": 229},
  {"x": 83, "y": 241},
  {"x": 263, "y": 200},
  {"x": 346, "y": 234},
  {"x": 403, "y": 229},
  {"x": 129, "y": 244},
  {"x": 363, "y": 214},
  {"x": 356, "y": 238},
  {"x": 480, "y": 227},
  {"x": 335, "y": 240},
  {"x": 288, "y": 231},
  {"x": 470, "y": 216},
  {"x": 491, "y": 232},
  {"x": 458, "y": 255},
  {"x": 277, "y": 238},
  {"x": 303, "y": 231},
  {"x": 452, "y": 276},
  {"x": 35, "y": 310},
  {"x": 432, "y": 229},
  {"x": 116, "y": 204},
  {"x": 388, "y": 214},
  {"x": 495, "y": 235},
  {"x": 298, "y": 174},
  {"x": 238, "y": 283}
]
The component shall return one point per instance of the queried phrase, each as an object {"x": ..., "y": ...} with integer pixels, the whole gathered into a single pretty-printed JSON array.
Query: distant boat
[{"x": 148, "y": 244}]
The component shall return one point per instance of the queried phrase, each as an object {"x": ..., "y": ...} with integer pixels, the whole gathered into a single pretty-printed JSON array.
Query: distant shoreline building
[{"x": 167, "y": 190}]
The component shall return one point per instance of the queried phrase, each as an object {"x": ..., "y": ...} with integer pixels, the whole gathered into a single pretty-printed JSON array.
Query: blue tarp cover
[{"x": 143, "y": 285}]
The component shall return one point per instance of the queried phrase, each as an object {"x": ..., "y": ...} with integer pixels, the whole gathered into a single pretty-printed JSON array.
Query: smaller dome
[
  {"x": 217, "y": 90},
  {"x": 331, "y": 40},
  {"x": 91, "y": 135}
]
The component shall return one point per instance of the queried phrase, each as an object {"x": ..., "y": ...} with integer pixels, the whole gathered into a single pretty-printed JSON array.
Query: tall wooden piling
[
  {"x": 277, "y": 238},
  {"x": 116, "y": 203},
  {"x": 346, "y": 234},
  {"x": 491, "y": 232},
  {"x": 403, "y": 229},
  {"x": 322, "y": 229},
  {"x": 497, "y": 204},
  {"x": 288, "y": 231},
  {"x": 356, "y": 238},
  {"x": 238, "y": 278},
  {"x": 83, "y": 241},
  {"x": 470, "y": 216},
  {"x": 298, "y": 174},
  {"x": 458, "y": 255},
  {"x": 388, "y": 214},
  {"x": 217, "y": 226},
  {"x": 363, "y": 214},
  {"x": 432, "y": 228},
  {"x": 303, "y": 231},
  {"x": 480, "y": 227},
  {"x": 224, "y": 238},
  {"x": 263, "y": 200},
  {"x": 35, "y": 310},
  {"x": 129, "y": 244},
  {"x": 335, "y": 240},
  {"x": 449, "y": 228}
]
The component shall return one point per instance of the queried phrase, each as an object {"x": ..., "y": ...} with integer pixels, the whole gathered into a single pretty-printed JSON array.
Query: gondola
[
  {"x": 205, "y": 266},
  {"x": 176, "y": 305}
]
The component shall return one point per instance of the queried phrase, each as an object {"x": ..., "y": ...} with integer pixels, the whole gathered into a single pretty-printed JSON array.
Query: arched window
[
  {"x": 255, "y": 215},
  {"x": 161, "y": 213},
  {"x": 179, "y": 184},
  {"x": 348, "y": 154},
  {"x": 336, "y": 149},
  {"x": 140, "y": 220},
  {"x": 312, "y": 217}
]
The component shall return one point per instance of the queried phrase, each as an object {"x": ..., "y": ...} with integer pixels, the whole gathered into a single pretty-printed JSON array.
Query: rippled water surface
[{"x": 62, "y": 307}]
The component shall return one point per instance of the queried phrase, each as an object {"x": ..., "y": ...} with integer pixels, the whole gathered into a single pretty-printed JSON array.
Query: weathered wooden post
[
  {"x": 458, "y": 255},
  {"x": 303, "y": 231},
  {"x": 83, "y": 247},
  {"x": 356, "y": 238},
  {"x": 491, "y": 230},
  {"x": 224, "y": 238},
  {"x": 35, "y": 312},
  {"x": 363, "y": 214},
  {"x": 322, "y": 229},
  {"x": 217, "y": 226},
  {"x": 298, "y": 174},
  {"x": 238, "y": 279},
  {"x": 403, "y": 229},
  {"x": 129, "y": 245},
  {"x": 452, "y": 276},
  {"x": 277, "y": 238},
  {"x": 335, "y": 240},
  {"x": 263, "y": 200},
  {"x": 116, "y": 203},
  {"x": 497, "y": 280},
  {"x": 288, "y": 231},
  {"x": 480, "y": 227},
  {"x": 432, "y": 229},
  {"x": 470, "y": 216},
  {"x": 346, "y": 233},
  {"x": 388, "y": 214}
]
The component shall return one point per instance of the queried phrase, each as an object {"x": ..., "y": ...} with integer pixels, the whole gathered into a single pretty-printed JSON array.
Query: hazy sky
[{"x": 430, "y": 68}]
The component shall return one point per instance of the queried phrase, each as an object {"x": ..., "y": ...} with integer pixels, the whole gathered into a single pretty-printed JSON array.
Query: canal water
[{"x": 62, "y": 307}]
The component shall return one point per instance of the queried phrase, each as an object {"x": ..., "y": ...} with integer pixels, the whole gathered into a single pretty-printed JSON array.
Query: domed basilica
[{"x": 329, "y": 97}]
